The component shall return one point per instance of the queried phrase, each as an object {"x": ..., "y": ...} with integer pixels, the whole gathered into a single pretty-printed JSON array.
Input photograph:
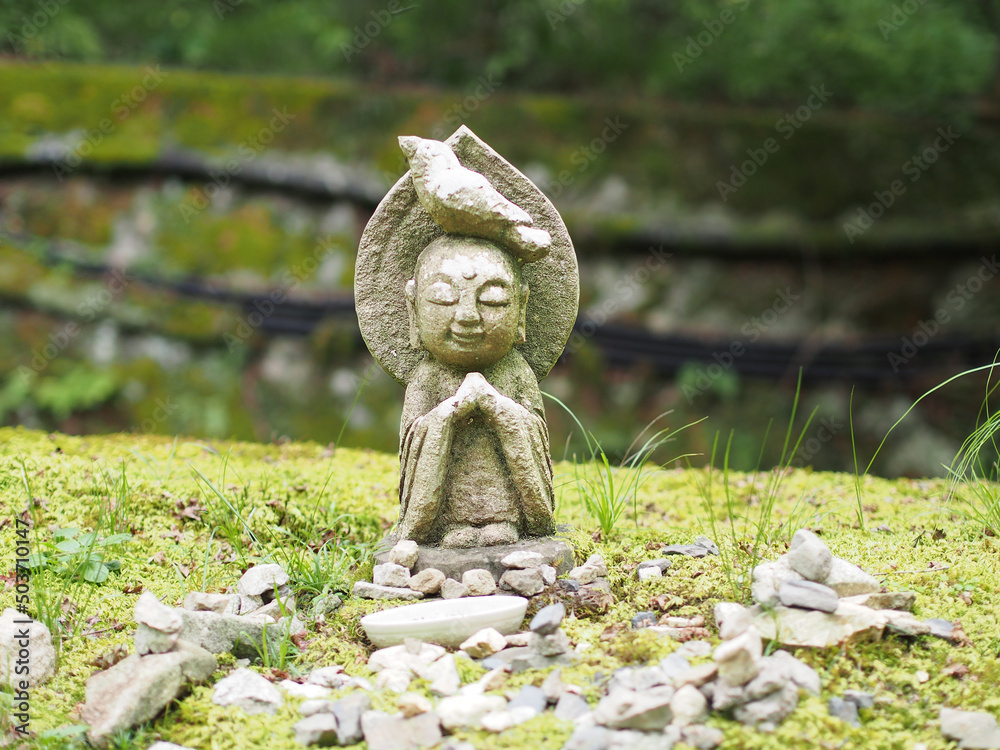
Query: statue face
[{"x": 466, "y": 302}]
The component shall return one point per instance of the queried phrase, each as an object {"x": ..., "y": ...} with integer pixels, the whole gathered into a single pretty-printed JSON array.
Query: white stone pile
[
  {"x": 174, "y": 648},
  {"x": 526, "y": 573},
  {"x": 808, "y": 597}
]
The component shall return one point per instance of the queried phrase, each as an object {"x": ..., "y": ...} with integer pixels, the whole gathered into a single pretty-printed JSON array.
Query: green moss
[
  {"x": 293, "y": 486},
  {"x": 678, "y": 154}
]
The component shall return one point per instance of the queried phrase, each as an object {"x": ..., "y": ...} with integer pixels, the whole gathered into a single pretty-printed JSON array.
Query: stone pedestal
[{"x": 453, "y": 562}]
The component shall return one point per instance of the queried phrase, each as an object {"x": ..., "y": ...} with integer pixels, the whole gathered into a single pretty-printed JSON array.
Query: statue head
[{"x": 466, "y": 302}]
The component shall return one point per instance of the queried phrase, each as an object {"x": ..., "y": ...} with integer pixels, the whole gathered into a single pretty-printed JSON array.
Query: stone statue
[{"x": 467, "y": 290}]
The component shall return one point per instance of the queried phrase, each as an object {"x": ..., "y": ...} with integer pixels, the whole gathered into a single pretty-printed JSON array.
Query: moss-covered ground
[{"x": 318, "y": 511}]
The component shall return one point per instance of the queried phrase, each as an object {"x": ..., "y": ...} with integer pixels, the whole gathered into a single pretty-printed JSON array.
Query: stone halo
[{"x": 401, "y": 228}]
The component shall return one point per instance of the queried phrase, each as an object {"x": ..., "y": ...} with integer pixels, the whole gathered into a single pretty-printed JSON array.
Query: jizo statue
[{"x": 467, "y": 290}]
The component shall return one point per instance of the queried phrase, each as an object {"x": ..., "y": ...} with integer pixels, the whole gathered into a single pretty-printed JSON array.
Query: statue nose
[{"x": 467, "y": 312}]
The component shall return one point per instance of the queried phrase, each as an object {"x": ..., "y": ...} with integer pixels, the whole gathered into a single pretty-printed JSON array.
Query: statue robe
[{"x": 476, "y": 470}]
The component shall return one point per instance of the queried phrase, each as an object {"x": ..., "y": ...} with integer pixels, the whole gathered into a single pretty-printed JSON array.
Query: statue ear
[
  {"x": 410, "y": 293},
  {"x": 521, "y": 335}
]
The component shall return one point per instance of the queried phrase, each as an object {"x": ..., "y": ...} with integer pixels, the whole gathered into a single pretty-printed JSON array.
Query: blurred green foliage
[{"x": 910, "y": 56}]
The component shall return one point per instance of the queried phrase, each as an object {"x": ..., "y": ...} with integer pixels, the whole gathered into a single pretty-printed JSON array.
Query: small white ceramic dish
[{"x": 446, "y": 622}]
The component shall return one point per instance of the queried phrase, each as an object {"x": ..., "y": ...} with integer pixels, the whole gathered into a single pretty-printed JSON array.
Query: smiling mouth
[{"x": 467, "y": 337}]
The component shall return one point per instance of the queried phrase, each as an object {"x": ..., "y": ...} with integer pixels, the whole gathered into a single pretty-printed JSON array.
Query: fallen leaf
[
  {"x": 109, "y": 658},
  {"x": 958, "y": 671},
  {"x": 613, "y": 631},
  {"x": 958, "y": 636}
]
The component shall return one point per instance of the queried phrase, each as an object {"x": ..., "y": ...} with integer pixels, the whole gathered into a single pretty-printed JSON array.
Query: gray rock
[
  {"x": 467, "y": 711},
  {"x": 383, "y": 731},
  {"x": 452, "y": 589},
  {"x": 702, "y": 737},
  {"x": 569, "y": 584},
  {"x": 584, "y": 574},
  {"x": 249, "y": 691},
  {"x": 941, "y": 628},
  {"x": 365, "y": 590},
  {"x": 550, "y": 645},
  {"x": 661, "y": 563},
  {"x": 570, "y": 707},
  {"x": 391, "y": 574},
  {"x": 480, "y": 582},
  {"x": 695, "y": 649},
  {"x": 548, "y": 574},
  {"x": 150, "y": 641},
  {"x": 643, "y": 619},
  {"x": 523, "y": 659},
  {"x": 697, "y": 676},
  {"x": 597, "y": 563},
  {"x": 704, "y": 541},
  {"x": 522, "y": 560},
  {"x": 530, "y": 696},
  {"x": 156, "y": 616},
  {"x": 767, "y": 577},
  {"x": 808, "y": 595},
  {"x": 525, "y": 582},
  {"x": 673, "y": 666},
  {"x": 317, "y": 729},
  {"x": 904, "y": 623},
  {"x": 689, "y": 550},
  {"x": 228, "y": 633},
  {"x": 138, "y": 688},
  {"x": 413, "y": 704},
  {"x": 689, "y": 706},
  {"x": 771, "y": 710},
  {"x": 396, "y": 680},
  {"x": 325, "y": 604},
  {"x": 726, "y": 695},
  {"x": 331, "y": 677},
  {"x": 859, "y": 698},
  {"x": 798, "y": 671},
  {"x": 348, "y": 711},
  {"x": 427, "y": 581},
  {"x": 791, "y": 626},
  {"x": 644, "y": 574},
  {"x": 263, "y": 581},
  {"x": 638, "y": 679},
  {"x": 971, "y": 729},
  {"x": 732, "y": 619},
  {"x": 850, "y": 580},
  {"x": 844, "y": 710},
  {"x": 519, "y": 639},
  {"x": 809, "y": 556},
  {"x": 772, "y": 676},
  {"x": 901, "y": 600},
  {"x": 484, "y": 643},
  {"x": 624, "y": 709},
  {"x": 553, "y": 686},
  {"x": 198, "y": 601},
  {"x": 589, "y": 738},
  {"x": 308, "y": 691},
  {"x": 548, "y": 619},
  {"x": 316, "y": 706},
  {"x": 491, "y": 663},
  {"x": 442, "y": 675},
  {"x": 405, "y": 553},
  {"x": 455, "y": 562},
  {"x": 737, "y": 658},
  {"x": 412, "y": 655}
]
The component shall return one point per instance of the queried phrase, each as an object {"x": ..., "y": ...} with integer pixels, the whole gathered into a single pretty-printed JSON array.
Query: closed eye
[
  {"x": 496, "y": 296},
  {"x": 442, "y": 293}
]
